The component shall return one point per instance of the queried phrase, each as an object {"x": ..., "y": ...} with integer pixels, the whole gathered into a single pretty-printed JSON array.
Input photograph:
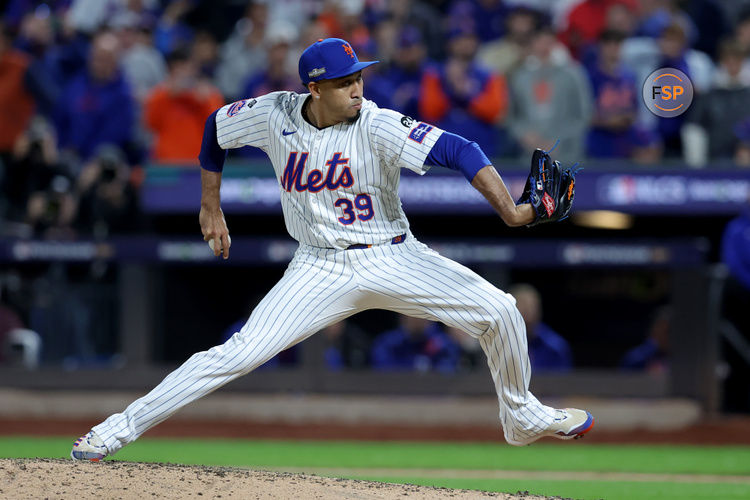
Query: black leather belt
[{"x": 396, "y": 240}]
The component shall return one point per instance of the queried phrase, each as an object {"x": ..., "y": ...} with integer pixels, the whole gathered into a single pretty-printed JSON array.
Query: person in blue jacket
[
  {"x": 548, "y": 350},
  {"x": 97, "y": 107},
  {"x": 417, "y": 344}
]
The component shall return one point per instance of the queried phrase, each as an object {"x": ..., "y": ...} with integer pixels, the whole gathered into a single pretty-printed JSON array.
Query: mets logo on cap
[
  {"x": 349, "y": 50},
  {"x": 328, "y": 59}
]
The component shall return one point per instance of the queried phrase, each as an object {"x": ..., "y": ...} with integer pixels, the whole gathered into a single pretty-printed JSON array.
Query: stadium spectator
[
  {"x": 143, "y": 66},
  {"x": 378, "y": 87},
  {"x": 90, "y": 16},
  {"x": 653, "y": 354},
  {"x": 16, "y": 102},
  {"x": 52, "y": 210},
  {"x": 717, "y": 116},
  {"x": 619, "y": 18},
  {"x": 97, "y": 106},
  {"x": 9, "y": 321},
  {"x": 343, "y": 19},
  {"x": 548, "y": 350},
  {"x": 656, "y": 16},
  {"x": 711, "y": 24},
  {"x": 244, "y": 52},
  {"x": 586, "y": 22},
  {"x": 488, "y": 15},
  {"x": 424, "y": 17},
  {"x": 297, "y": 12},
  {"x": 404, "y": 77},
  {"x": 172, "y": 30},
  {"x": 673, "y": 44},
  {"x": 742, "y": 35},
  {"x": 459, "y": 95},
  {"x": 277, "y": 73},
  {"x": 643, "y": 55},
  {"x": 674, "y": 53},
  {"x": 14, "y": 11},
  {"x": 205, "y": 53},
  {"x": 347, "y": 346},
  {"x": 44, "y": 78},
  {"x": 613, "y": 131},
  {"x": 33, "y": 165},
  {"x": 383, "y": 43},
  {"x": 506, "y": 54},
  {"x": 177, "y": 109},
  {"x": 60, "y": 50},
  {"x": 108, "y": 200},
  {"x": 417, "y": 344},
  {"x": 550, "y": 100},
  {"x": 313, "y": 31}
]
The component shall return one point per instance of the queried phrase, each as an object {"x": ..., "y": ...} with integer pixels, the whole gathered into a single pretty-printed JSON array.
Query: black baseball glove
[{"x": 550, "y": 188}]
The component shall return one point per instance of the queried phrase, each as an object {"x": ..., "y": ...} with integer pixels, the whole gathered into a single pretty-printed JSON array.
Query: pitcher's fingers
[
  {"x": 225, "y": 245},
  {"x": 217, "y": 245}
]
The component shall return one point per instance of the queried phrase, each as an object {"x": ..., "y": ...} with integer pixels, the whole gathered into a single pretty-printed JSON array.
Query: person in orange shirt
[
  {"x": 16, "y": 103},
  {"x": 176, "y": 111},
  {"x": 460, "y": 95}
]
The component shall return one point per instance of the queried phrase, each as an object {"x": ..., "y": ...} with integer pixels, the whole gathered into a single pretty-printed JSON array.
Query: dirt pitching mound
[{"x": 66, "y": 479}]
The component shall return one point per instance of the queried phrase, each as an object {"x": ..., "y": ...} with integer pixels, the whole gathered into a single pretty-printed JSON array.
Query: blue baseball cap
[{"x": 327, "y": 59}]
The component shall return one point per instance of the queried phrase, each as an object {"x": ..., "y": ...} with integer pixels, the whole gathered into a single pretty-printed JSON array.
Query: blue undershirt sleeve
[
  {"x": 211, "y": 156},
  {"x": 454, "y": 152}
]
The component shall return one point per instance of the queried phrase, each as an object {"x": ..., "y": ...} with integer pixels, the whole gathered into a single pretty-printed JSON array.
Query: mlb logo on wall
[{"x": 419, "y": 132}]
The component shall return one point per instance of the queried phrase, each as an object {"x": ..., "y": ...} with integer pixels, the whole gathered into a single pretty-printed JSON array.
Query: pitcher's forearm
[
  {"x": 491, "y": 185},
  {"x": 210, "y": 189}
]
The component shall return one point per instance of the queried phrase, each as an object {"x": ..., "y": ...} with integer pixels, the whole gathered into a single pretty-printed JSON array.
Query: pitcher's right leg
[{"x": 312, "y": 294}]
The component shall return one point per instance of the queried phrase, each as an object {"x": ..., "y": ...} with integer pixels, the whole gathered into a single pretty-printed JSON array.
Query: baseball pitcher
[{"x": 337, "y": 158}]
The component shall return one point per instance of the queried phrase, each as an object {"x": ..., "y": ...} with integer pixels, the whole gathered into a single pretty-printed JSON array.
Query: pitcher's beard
[{"x": 354, "y": 118}]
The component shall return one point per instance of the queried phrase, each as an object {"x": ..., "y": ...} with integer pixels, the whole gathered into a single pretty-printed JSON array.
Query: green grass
[
  {"x": 728, "y": 460},
  {"x": 542, "y": 457}
]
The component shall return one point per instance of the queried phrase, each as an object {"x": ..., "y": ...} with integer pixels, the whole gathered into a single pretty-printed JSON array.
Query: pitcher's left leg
[{"x": 416, "y": 281}]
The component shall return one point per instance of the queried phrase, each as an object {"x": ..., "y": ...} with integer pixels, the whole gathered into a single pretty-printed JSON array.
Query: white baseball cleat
[
  {"x": 569, "y": 423},
  {"x": 89, "y": 447}
]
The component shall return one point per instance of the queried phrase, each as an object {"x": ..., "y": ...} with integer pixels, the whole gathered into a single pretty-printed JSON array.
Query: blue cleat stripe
[{"x": 583, "y": 427}]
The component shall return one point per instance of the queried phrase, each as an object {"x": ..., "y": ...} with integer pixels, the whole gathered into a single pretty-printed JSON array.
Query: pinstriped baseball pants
[{"x": 323, "y": 286}]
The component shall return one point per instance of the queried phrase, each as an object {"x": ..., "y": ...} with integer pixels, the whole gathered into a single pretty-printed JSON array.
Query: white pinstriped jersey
[{"x": 338, "y": 185}]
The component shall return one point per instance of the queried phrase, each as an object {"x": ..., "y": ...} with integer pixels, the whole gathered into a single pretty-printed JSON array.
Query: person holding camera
[
  {"x": 108, "y": 199},
  {"x": 38, "y": 188}
]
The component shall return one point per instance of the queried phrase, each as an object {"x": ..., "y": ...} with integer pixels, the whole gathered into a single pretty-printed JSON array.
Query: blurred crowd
[
  {"x": 92, "y": 90},
  {"x": 422, "y": 345}
]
